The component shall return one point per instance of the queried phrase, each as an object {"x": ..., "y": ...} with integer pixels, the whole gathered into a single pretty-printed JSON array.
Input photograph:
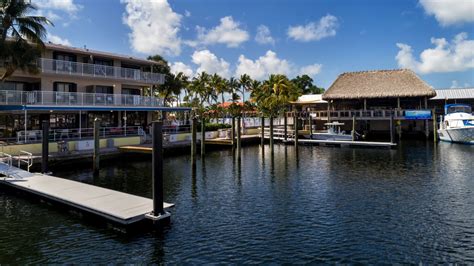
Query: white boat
[
  {"x": 457, "y": 125},
  {"x": 333, "y": 132}
]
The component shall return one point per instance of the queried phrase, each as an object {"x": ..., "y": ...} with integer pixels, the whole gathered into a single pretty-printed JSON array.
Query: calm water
[{"x": 414, "y": 204}]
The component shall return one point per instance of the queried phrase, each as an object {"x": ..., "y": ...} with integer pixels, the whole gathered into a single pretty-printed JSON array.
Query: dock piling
[
  {"x": 45, "y": 147},
  {"x": 354, "y": 127},
  {"x": 239, "y": 137},
  {"x": 193, "y": 139},
  {"x": 435, "y": 126},
  {"x": 96, "y": 146},
  {"x": 391, "y": 128},
  {"x": 262, "y": 131},
  {"x": 285, "y": 124},
  {"x": 296, "y": 120},
  {"x": 203, "y": 136}
]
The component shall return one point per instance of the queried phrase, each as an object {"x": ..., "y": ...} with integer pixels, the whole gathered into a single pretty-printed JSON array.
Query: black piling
[
  {"x": 96, "y": 158},
  {"x": 45, "y": 147},
  {"x": 157, "y": 170}
]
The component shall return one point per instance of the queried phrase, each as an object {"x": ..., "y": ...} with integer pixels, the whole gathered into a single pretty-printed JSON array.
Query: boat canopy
[
  {"x": 335, "y": 123},
  {"x": 457, "y": 108}
]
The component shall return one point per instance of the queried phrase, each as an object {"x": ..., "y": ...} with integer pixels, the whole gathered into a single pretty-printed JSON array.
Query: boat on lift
[
  {"x": 333, "y": 132},
  {"x": 457, "y": 124}
]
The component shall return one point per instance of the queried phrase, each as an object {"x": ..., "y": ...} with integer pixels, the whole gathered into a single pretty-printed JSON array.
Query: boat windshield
[
  {"x": 459, "y": 109},
  {"x": 468, "y": 122}
]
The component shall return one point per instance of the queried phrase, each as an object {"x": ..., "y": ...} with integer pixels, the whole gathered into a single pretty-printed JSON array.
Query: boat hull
[
  {"x": 457, "y": 135},
  {"x": 326, "y": 136}
]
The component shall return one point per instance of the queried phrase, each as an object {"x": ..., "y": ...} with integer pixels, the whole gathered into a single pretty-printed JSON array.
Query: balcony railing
[
  {"x": 102, "y": 71},
  {"x": 362, "y": 114},
  {"x": 8, "y": 97}
]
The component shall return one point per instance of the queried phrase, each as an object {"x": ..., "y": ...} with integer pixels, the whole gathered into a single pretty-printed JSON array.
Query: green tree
[
  {"x": 245, "y": 82},
  {"x": 305, "y": 84},
  {"x": 26, "y": 33}
]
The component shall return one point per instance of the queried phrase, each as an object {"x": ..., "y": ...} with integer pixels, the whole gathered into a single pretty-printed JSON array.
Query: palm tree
[
  {"x": 245, "y": 82},
  {"x": 273, "y": 96},
  {"x": 23, "y": 29}
]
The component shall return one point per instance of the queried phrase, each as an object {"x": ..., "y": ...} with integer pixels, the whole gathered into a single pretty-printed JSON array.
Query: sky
[{"x": 321, "y": 38}]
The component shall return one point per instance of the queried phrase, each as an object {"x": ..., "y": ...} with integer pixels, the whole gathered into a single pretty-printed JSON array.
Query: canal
[{"x": 412, "y": 204}]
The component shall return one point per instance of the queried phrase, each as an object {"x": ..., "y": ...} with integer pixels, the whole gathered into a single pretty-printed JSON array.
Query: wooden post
[
  {"x": 45, "y": 148},
  {"x": 157, "y": 170},
  {"x": 203, "y": 136},
  {"x": 391, "y": 128},
  {"x": 262, "y": 131},
  {"x": 232, "y": 134},
  {"x": 310, "y": 125},
  {"x": 285, "y": 124},
  {"x": 239, "y": 140},
  {"x": 96, "y": 145},
  {"x": 435, "y": 126},
  {"x": 295, "y": 123},
  {"x": 271, "y": 134},
  {"x": 193, "y": 139},
  {"x": 353, "y": 127}
]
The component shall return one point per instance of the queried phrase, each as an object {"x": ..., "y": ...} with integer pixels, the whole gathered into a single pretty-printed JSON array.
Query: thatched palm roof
[{"x": 378, "y": 84}]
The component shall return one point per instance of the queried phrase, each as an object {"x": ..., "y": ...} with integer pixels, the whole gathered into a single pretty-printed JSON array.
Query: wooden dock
[
  {"x": 228, "y": 142},
  {"x": 122, "y": 208}
]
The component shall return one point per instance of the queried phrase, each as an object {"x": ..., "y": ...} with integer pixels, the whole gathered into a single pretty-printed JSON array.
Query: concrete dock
[{"x": 122, "y": 208}]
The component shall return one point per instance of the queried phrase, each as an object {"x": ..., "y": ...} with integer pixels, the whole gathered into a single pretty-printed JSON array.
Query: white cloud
[
  {"x": 444, "y": 57},
  {"x": 450, "y": 12},
  {"x": 187, "y": 13},
  {"x": 264, "y": 36},
  {"x": 263, "y": 66},
  {"x": 227, "y": 32},
  {"x": 63, "y": 5},
  {"x": 154, "y": 26},
  {"x": 454, "y": 84},
  {"x": 177, "y": 67},
  {"x": 314, "y": 31},
  {"x": 210, "y": 63},
  {"x": 311, "y": 70},
  {"x": 57, "y": 40}
]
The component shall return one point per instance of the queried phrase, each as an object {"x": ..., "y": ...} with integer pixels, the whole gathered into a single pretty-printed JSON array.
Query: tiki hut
[{"x": 379, "y": 89}]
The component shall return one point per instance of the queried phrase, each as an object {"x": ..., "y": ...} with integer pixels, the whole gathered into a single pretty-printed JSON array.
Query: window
[
  {"x": 64, "y": 62},
  {"x": 63, "y": 93},
  {"x": 65, "y": 87}
]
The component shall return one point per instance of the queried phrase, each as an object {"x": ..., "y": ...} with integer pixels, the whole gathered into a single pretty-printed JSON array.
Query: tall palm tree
[
  {"x": 219, "y": 85},
  {"x": 26, "y": 33},
  {"x": 245, "y": 82}
]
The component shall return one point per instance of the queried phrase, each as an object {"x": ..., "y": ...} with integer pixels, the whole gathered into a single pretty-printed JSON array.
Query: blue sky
[{"x": 321, "y": 38}]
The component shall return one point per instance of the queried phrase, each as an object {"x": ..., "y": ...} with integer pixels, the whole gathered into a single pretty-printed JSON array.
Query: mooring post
[
  {"x": 45, "y": 148},
  {"x": 203, "y": 136},
  {"x": 262, "y": 131},
  {"x": 239, "y": 137},
  {"x": 271, "y": 134},
  {"x": 310, "y": 126},
  {"x": 296, "y": 128},
  {"x": 96, "y": 145},
  {"x": 285, "y": 124},
  {"x": 193, "y": 139},
  {"x": 435, "y": 126},
  {"x": 391, "y": 128},
  {"x": 157, "y": 170},
  {"x": 232, "y": 133},
  {"x": 354, "y": 127}
]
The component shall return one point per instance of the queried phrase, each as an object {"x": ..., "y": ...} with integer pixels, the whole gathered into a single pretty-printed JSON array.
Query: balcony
[
  {"x": 99, "y": 71},
  {"x": 52, "y": 98}
]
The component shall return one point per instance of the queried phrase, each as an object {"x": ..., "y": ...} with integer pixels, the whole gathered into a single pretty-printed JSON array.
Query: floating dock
[
  {"x": 118, "y": 207},
  {"x": 228, "y": 141}
]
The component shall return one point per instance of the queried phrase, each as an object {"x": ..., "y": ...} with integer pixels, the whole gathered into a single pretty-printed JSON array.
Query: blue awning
[{"x": 89, "y": 108}]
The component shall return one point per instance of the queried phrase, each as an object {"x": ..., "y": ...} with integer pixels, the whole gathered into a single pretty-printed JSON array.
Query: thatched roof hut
[{"x": 378, "y": 84}]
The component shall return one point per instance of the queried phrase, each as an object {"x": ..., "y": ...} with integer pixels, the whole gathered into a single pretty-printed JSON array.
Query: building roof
[
  {"x": 458, "y": 93},
  {"x": 309, "y": 99},
  {"x": 86, "y": 51},
  {"x": 378, "y": 84}
]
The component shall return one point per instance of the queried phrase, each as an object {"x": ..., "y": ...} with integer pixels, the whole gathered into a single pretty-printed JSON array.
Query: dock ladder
[{"x": 27, "y": 158}]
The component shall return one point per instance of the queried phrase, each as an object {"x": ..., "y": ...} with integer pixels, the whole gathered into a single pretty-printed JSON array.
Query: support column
[
  {"x": 80, "y": 124},
  {"x": 45, "y": 147},
  {"x": 96, "y": 146},
  {"x": 157, "y": 170},
  {"x": 391, "y": 128},
  {"x": 295, "y": 123},
  {"x": 354, "y": 128},
  {"x": 232, "y": 133},
  {"x": 262, "y": 131},
  {"x": 435, "y": 126},
  {"x": 271, "y": 134},
  {"x": 25, "y": 124},
  {"x": 203, "y": 136},
  {"x": 310, "y": 125},
  {"x": 193, "y": 139},
  {"x": 239, "y": 139}
]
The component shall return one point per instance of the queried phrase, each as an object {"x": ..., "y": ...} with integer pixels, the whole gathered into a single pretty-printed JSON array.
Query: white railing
[
  {"x": 348, "y": 114},
  {"x": 27, "y": 158},
  {"x": 6, "y": 159},
  {"x": 93, "y": 70},
  {"x": 35, "y": 136},
  {"x": 10, "y": 97}
]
